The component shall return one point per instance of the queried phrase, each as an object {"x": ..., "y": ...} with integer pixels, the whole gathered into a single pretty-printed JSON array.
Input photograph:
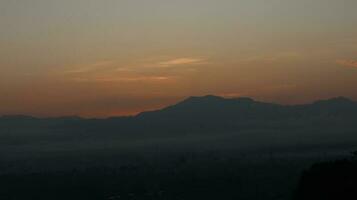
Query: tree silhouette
[{"x": 329, "y": 181}]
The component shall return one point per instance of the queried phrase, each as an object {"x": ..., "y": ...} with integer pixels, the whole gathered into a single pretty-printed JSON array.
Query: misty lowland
[{"x": 206, "y": 147}]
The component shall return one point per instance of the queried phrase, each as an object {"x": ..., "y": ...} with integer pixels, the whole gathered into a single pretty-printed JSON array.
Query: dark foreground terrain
[
  {"x": 214, "y": 175},
  {"x": 329, "y": 181}
]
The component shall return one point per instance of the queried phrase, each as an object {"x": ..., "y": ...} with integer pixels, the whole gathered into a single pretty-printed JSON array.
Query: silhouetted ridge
[
  {"x": 336, "y": 101},
  {"x": 17, "y": 117},
  {"x": 246, "y": 108},
  {"x": 211, "y": 100},
  {"x": 204, "y": 115},
  {"x": 337, "y": 107},
  {"x": 211, "y": 109},
  {"x": 216, "y": 98},
  {"x": 208, "y": 98}
]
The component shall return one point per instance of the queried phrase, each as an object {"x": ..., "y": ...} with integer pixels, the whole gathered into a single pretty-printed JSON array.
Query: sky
[{"x": 99, "y": 58}]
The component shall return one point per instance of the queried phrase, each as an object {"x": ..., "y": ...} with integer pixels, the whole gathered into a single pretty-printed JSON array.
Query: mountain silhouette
[
  {"x": 217, "y": 107},
  {"x": 244, "y": 109},
  {"x": 240, "y": 121}
]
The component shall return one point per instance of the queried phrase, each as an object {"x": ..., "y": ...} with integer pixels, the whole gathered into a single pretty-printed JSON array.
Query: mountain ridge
[
  {"x": 234, "y": 121},
  {"x": 196, "y": 100}
]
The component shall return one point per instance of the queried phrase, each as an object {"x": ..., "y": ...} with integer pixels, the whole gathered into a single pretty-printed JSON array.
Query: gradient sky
[{"x": 98, "y": 58}]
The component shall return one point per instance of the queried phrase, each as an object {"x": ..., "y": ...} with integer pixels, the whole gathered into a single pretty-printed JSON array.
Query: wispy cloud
[
  {"x": 125, "y": 79},
  {"x": 181, "y": 61},
  {"x": 184, "y": 63},
  {"x": 144, "y": 71},
  {"x": 347, "y": 63}
]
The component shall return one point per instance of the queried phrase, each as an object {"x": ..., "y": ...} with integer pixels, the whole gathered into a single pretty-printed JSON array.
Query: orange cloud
[
  {"x": 347, "y": 63},
  {"x": 107, "y": 71}
]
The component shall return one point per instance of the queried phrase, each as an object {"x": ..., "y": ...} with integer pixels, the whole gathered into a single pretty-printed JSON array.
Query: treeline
[{"x": 335, "y": 180}]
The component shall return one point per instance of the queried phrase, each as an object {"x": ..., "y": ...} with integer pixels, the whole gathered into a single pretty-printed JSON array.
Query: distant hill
[
  {"x": 247, "y": 108},
  {"x": 216, "y": 107},
  {"x": 209, "y": 119},
  {"x": 212, "y": 113}
]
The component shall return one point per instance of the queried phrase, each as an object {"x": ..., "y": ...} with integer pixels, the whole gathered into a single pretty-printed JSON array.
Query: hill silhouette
[
  {"x": 209, "y": 119},
  {"x": 249, "y": 108},
  {"x": 230, "y": 107}
]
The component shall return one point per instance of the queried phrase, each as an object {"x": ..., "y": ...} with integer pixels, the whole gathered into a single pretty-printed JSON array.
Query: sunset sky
[{"x": 98, "y": 58}]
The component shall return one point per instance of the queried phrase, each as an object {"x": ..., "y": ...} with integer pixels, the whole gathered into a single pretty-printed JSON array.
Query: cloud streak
[
  {"x": 163, "y": 64},
  {"x": 124, "y": 79},
  {"x": 181, "y": 61},
  {"x": 149, "y": 72}
]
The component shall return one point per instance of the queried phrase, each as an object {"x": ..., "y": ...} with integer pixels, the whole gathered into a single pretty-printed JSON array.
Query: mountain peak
[
  {"x": 217, "y": 98},
  {"x": 200, "y": 98},
  {"x": 210, "y": 101}
]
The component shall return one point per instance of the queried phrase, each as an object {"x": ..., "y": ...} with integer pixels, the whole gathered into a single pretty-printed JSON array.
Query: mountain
[
  {"x": 215, "y": 107},
  {"x": 208, "y": 119},
  {"x": 207, "y": 113},
  {"x": 220, "y": 113}
]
